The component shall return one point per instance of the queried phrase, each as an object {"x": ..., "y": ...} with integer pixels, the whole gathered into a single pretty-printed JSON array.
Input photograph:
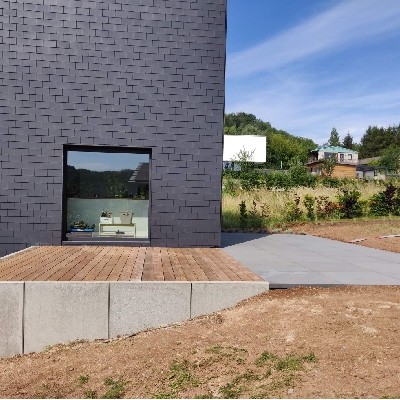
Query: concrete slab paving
[
  {"x": 59, "y": 312},
  {"x": 287, "y": 260},
  {"x": 11, "y": 318}
]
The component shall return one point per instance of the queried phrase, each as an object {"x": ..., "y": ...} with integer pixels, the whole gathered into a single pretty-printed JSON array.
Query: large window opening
[{"x": 106, "y": 194}]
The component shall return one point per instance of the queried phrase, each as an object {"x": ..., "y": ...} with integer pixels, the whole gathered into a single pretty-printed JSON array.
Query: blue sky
[{"x": 309, "y": 65}]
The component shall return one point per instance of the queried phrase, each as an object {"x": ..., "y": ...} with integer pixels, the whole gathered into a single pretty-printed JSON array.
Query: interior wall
[{"x": 89, "y": 211}]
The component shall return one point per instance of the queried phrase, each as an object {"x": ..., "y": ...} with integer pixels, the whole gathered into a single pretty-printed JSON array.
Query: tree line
[{"x": 284, "y": 148}]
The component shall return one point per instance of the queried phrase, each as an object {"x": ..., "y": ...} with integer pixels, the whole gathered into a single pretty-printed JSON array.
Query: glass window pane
[{"x": 107, "y": 194}]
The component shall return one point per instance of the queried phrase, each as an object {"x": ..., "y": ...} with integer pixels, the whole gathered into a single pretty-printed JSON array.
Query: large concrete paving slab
[
  {"x": 59, "y": 312},
  {"x": 208, "y": 297},
  {"x": 137, "y": 306},
  {"x": 11, "y": 317},
  {"x": 287, "y": 260}
]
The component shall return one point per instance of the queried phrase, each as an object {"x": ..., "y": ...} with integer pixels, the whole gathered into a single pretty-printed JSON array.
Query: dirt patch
[
  {"x": 300, "y": 343},
  {"x": 370, "y": 231}
]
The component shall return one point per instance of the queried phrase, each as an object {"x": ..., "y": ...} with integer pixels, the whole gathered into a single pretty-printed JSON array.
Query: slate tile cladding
[{"x": 128, "y": 73}]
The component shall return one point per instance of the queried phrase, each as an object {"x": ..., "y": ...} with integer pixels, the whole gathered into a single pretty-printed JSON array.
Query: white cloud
[
  {"x": 350, "y": 21},
  {"x": 295, "y": 108}
]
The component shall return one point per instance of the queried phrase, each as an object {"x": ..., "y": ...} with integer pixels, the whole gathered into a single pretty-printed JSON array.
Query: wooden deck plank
[
  {"x": 166, "y": 263},
  {"x": 111, "y": 259},
  {"x": 158, "y": 270},
  {"x": 119, "y": 266},
  {"x": 213, "y": 274},
  {"x": 194, "y": 266},
  {"x": 148, "y": 268},
  {"x": 222, "y": 265},
  {"x": 78, "y": 275},
  {"x": 82, "y": 262},
  {"x": 97, "y": 267},
  {"x": 138, "y": 266},
  {"x": 31, "y": 270},
  {"x": 19, "y": 259},
  {"x": 189, "y": 273},
  {"x": 129, "y": 265},
  {"x": 61, "y": 266},
  {"x": 18, "y": 263},
  {"x": 102, "y": 263},
  {"x": 176, "y": 266}
]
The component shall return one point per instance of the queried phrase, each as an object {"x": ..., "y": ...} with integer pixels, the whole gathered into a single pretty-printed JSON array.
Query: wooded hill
[
  {"x": 286, "y": 148},
  {"x": 281, "y": 145}
]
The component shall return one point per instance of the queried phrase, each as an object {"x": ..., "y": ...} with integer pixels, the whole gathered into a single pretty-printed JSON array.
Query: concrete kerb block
[
  {"x": 137, "y": 306},
  {"x": 208, "y": 297},
  {"x": 57, "y": 312},
  {"x": 11, "y": 315}
]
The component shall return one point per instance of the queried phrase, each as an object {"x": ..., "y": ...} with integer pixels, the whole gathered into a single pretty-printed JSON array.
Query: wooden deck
[{"x": 106, "y": 263}]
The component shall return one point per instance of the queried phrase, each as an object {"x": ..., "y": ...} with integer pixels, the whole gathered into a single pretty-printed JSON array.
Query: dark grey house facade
[{"x": 111, "y": 122}]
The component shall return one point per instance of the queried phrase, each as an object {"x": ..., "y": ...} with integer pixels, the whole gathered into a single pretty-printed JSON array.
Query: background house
[
  {"x": 370, "y": 168},
  {"x": 345, "y": 161}
]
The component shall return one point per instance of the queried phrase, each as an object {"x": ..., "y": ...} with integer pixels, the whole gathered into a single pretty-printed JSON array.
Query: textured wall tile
[{"x": 147, "y": 73}]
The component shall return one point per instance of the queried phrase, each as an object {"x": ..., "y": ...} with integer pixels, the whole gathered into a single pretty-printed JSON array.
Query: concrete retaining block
[
  {"x": 208, "y": 297},
  {"x": 11, "y": 315},
  {"x": 58, "y": 312},
  {"x": 137, "y": 306}
]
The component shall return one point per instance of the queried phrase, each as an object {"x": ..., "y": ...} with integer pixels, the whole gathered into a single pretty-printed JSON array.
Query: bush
[
  {"x": 278, "y": 180},
  {"x": 350, "y": 205},
  {"x": 300, "y": 176},
  {"x": 230, "y": 185},
  {"x": 293, "y": 211},
  {"x": 386, "y": 202},
  {"x": 251, "y": 179},
  {"x": 326, "y": 208},
  {"x": 330, "y": 182},
  {"x": 309, "y": 204}
]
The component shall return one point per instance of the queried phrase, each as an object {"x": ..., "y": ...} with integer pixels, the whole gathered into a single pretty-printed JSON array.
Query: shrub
[
  {"x": 325, "y": 207},
  {"x": 277, "y": 179},
  {"x": 252, "y": 179},
  {"x": 330, "y": 182},
  {"x": 300, "y": 176},
  {"x": 350, "y": 205},
  {"x": 230, "y": 185},
  {"x": 293, "y": 211},
  {"x": 255, "y": 218},
  {"x": 243, "y": 214},
  {"x": 309, "y": 204},
  {"x": 386, "y": 202}
]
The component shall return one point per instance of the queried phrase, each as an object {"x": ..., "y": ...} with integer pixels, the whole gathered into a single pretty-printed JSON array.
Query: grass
[
  {"x": 180, "y": 378},
  {"x": 273, "y": 373},
  {"x": 114, "y": 388},
  {"x": 83, "y": 379},
  {"x": 272, "y": 209},
  {"x": 266, "y": 375}
]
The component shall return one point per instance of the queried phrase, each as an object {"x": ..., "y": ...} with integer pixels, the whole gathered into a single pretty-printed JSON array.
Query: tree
[
  {"x": 250, "y": 130},
  {"x": 334, "y": 139},
  {"x": 391, "y": 158},
  {"x": 328, "y": 165},
  {"x": 377, "y": 139},
  {"x": 348, "y": 142}
]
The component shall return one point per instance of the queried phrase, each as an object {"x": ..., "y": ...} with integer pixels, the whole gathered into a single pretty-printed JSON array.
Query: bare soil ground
[
  {"x": 300, "y": 343},
  {"x": 371, "y": 231}
]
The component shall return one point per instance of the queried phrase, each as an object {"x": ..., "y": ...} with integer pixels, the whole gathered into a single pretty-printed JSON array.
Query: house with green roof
[{"x": 345, "y": 161}]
